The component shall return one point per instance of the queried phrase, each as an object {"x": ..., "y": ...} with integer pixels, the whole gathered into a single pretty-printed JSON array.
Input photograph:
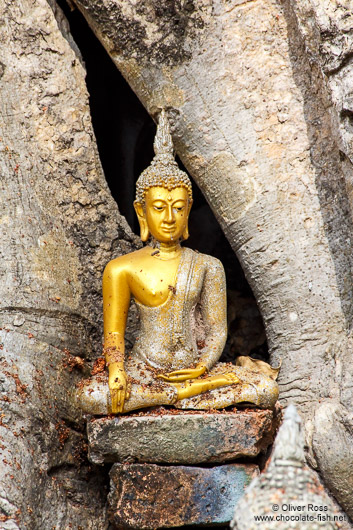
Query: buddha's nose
[{"x": 170, "y": 218}]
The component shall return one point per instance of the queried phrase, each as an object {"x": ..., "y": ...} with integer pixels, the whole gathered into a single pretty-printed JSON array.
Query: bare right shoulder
[{"x": 123, "y": 264}]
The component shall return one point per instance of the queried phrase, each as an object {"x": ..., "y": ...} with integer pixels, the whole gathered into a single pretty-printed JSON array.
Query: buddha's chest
[{"x": 153, "y": 281}]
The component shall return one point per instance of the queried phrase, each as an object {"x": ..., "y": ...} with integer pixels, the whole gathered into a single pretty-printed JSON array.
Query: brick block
[{"x": 149, "y": 496}]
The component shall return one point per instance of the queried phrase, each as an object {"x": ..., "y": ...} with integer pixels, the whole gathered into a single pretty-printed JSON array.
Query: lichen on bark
[{"x": 173, "y": 27}]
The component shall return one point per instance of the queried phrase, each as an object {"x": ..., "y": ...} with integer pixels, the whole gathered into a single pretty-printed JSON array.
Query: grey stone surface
[
  {"x": 144, "y": 496},
  {"x": 181, "y": 438}
]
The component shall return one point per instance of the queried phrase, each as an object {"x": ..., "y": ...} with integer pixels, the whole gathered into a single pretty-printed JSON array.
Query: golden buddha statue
[{"x": 181, "y": 298}]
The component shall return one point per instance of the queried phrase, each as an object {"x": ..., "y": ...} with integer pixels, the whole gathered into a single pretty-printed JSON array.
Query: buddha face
[{"x": 165, "y": 214}]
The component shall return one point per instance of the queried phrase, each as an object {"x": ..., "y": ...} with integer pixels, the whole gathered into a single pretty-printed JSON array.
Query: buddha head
[{"x": 163, "y": 192}]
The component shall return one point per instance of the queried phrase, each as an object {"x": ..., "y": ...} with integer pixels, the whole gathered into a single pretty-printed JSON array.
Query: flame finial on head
[{"x": 164, "y": 170}]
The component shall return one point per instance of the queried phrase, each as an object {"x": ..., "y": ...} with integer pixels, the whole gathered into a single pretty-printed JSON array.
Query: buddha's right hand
[{"x": 118, "y": 388}]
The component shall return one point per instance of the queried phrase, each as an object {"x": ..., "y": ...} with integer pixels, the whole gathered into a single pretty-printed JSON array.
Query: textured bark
[
  {"x": 59, "y": 226},
  {"x": 254, "y": 92}
]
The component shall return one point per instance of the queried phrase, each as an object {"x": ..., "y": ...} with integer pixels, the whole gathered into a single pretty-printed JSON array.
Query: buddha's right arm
[
  {"x": 117, "y": 381},
  {"x": 116, "y": 300},
  {"x": 114, "y": 349}
]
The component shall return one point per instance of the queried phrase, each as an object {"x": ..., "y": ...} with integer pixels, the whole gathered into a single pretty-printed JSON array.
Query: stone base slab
[
  {"x": 148, "y": 496},
  {"x": 182, "y": 438}
]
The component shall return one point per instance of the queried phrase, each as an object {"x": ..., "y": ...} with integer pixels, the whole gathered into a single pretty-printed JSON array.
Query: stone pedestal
[
  {"x": 146, "y": 493},
  {"x": 181, "y": 437}
]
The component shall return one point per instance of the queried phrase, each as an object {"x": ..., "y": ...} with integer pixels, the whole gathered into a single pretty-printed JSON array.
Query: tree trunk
[
  {"x": 59, "y": 226},
  {"x": 259, "y": 95}
]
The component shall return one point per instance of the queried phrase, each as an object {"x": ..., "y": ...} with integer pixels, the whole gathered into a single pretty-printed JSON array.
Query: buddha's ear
[
  {"x": 186, "y": 229},
  {"x": 140, "y": 212}
]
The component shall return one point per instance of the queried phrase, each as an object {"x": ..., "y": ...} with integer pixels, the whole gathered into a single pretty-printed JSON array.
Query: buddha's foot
[{"x": 194, "y": 387}]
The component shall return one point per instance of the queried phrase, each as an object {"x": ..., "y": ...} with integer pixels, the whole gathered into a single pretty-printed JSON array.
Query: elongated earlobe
[
  {"x": 144, "y": 232},
  {"x": 185, "y": 234}
]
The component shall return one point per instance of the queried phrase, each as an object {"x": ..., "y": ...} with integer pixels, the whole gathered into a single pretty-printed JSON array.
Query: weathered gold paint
[{"x": 181, "y": 297}]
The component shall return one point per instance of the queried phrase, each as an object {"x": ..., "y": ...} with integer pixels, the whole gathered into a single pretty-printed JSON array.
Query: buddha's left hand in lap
[{"x": 183, "y": 375}]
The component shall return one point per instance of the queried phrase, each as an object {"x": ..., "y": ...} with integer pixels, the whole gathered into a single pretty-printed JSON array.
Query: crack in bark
[
  {"x": 239, "y": 4},
  {"x": 344, "y": 62}
]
